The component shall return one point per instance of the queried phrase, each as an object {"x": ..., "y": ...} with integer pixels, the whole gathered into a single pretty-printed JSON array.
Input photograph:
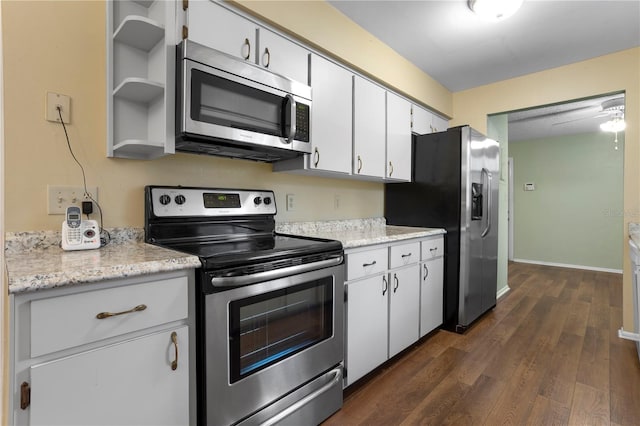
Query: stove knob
[
  {"x": 180, "y": 199},
  {"x": 165, "y": 199},
  {"x": 267, "y": 200},
  {"x": 258, "y": 200}
]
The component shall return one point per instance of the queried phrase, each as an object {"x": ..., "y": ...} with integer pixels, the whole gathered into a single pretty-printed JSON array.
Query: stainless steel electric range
[{"x": 269, "y": 307}]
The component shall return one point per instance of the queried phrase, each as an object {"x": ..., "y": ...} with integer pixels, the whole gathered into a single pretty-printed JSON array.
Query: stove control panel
[{"x": 189, "y": 202}]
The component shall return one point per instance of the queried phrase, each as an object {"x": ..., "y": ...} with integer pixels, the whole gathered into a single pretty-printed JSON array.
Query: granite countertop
[
  {"x": 34, "y": 261},
  {"x": 357, "y": 232}
]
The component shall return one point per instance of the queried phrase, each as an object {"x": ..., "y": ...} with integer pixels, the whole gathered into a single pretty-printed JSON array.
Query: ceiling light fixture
[
  {"x": 494, "y": 10},
  {"x": 617, "y": 123}
]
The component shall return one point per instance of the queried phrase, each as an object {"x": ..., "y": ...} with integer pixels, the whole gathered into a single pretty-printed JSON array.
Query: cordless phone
[{"x": 78, "y": 234}]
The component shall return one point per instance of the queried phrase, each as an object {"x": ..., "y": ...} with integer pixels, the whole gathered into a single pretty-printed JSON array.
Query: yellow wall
[
  {"x": 60, "y": 47},
  {"x": 605, "y": 74}
]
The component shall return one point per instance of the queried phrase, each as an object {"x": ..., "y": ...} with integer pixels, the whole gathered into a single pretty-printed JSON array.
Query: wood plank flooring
[{"x": 547, "y": 354}]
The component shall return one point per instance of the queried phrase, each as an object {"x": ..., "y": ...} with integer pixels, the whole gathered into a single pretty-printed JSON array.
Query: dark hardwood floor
[{"x": 548, "y": 354}]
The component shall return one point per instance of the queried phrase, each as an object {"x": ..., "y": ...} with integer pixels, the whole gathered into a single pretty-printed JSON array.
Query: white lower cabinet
[
  {"x": 367, "y": 329},
  {"x": 112, "y": 353},
  {"x": 122, "y": 384},
  {"x": 385, "y": 301},
  {"x": 431, "y": 295},
  {"x": 404, "y": 309}
]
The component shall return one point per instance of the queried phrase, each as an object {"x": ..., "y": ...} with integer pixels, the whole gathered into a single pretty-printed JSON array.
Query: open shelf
[
  {"x": 139, "y": 90},
  {"x": 139, "y": 149},
  {"x": 139, "y": 32}
]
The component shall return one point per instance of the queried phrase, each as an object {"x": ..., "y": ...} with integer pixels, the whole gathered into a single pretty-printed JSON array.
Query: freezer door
[{"x": 478, "y": 230}]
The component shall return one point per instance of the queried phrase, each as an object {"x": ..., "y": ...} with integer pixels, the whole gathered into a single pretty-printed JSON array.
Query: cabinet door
[
  {"x": 219, "y": 28},
  {"x": 367, "y": 308},
  {"x": 431, "y": 295},
  {"x": 331, "y": 116},
  {"x": 421, "y": 120},
  {"x": 398, "y": 166},
  {"x": 404, "y": 308},
  {"x": 122, "y": 384},
  {"x": 439, "y": 124},
  {"x": 283, "y": 56},
  {"x": 368, "y": 128}
]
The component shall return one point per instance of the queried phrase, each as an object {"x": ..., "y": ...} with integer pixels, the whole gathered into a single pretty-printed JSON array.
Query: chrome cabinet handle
[
  {"x": 364, "y": 265},
  {"x": 103, "y": 315},
  {"x": 386, "y": 285},
  {"x": 359, "y": 164},
  {"x": 248, "y": 44},
  {"x": 174, "y": 339},
  {"x": 316, "y": 157},
  {"x": 390, "y": 167},
  {"x": 396, "y": 281},
  {"x": 426, "y": 272},
  {"x": 268, "y": 56}
]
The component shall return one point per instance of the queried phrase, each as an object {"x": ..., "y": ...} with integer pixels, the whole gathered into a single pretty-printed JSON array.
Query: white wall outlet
[
  {"x": 291, "y": 202},
  {"x": 52, "y": 102},
  {"x": 529, "y": 186},
  {"x": 336, "y": 202},
  {"x": 61, "y": 197}
]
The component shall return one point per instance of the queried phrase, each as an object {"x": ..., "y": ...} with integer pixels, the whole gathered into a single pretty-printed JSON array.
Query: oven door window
[
  {"x": 217, "y": 100},
  {"x": 268, "y": 328}
]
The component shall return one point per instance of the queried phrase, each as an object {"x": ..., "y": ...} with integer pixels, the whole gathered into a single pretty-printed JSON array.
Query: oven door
[
  {"x": 222, "y": 105},
  {"x": 265, "y": 340}
]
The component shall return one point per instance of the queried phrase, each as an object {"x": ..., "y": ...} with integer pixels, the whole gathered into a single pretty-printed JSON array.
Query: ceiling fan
[{"x": 613, "y": 108}]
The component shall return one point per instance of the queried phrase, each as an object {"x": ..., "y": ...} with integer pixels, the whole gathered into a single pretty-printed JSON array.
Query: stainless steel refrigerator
[{"x": 454, "y": 186}]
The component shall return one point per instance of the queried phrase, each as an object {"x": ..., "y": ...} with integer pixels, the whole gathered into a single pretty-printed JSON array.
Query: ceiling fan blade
[
  {"x": 579, "y": 119},
  {"x": 553, "y": 113}
]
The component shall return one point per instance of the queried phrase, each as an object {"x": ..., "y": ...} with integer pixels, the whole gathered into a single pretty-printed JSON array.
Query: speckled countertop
[
  {"x": 357, "y": 232},
  {"x": 34, "y": 260}
]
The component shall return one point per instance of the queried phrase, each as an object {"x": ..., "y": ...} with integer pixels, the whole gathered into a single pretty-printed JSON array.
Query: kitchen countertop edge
[
  {"x": 34, "y": 269},
  {"x": 356, "y": 233}
]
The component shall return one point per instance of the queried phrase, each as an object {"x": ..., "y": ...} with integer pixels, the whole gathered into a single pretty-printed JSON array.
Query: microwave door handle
[{"x": 292, "y": 119}]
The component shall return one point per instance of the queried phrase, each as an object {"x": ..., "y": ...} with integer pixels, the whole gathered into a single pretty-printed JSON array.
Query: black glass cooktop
[{"x": 227, "y": 253}]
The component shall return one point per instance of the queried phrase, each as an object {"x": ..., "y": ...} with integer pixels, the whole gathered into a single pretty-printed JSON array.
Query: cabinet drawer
[
  {"x": 366, "y": 263},
  {"x": 432, "y": 248},
  {"x": 404, "y": 254},
  {"x": 67, "y": 321}
]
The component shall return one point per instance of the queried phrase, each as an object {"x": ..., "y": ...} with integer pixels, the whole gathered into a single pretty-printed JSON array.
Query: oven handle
[
  {"x": 336, "y": 376},
  {"x": 274, "y": 274}
]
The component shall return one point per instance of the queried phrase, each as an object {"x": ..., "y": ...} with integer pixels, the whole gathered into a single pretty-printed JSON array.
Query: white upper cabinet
[
  {"x": 283, "y": 56},
  {"x": 217, "y": 27},
  {"x": 425, "y": 121},
  {"x": 438, "y": 123},
  {"x": 331, "y": 116},
  {"x": 398, "y": 165},
  {"x": 369, "y": 112},
  {"x": 221, "y": 29}
]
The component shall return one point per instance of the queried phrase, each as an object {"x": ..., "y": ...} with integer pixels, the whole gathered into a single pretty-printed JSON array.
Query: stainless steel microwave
[{"x": 232, "y": 108}]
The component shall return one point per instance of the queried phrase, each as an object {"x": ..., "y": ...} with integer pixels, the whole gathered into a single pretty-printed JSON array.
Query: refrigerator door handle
[{"x": 489, "y": 178}]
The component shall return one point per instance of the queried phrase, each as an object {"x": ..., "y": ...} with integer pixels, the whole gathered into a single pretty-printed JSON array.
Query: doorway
[{"x": 567, "y": 186}]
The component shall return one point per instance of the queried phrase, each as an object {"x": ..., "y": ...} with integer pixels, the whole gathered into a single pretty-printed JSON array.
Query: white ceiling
[
  {"x": 458, "y": 49},
  {"x": 461, "y": 51}
]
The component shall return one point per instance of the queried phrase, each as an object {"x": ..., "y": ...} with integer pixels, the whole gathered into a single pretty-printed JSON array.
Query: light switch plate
[
  {"x": 61, "y": 197},
  {"x": 52, "y": 101}
]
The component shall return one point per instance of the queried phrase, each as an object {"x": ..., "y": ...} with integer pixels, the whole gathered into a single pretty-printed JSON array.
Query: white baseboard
[
  {"x": 504, "y": 290},
  {"x": 564, "y": 265}
]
